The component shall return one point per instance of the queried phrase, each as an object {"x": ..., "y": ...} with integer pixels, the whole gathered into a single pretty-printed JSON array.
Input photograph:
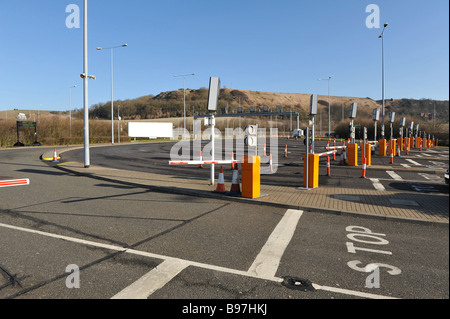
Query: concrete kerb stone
[{"x": 258, "y": 201}]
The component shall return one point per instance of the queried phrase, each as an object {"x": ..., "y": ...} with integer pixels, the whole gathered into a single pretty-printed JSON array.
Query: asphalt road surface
[
  {"x": 154, "y": 157},
  {"x": 71, "y": 237}
]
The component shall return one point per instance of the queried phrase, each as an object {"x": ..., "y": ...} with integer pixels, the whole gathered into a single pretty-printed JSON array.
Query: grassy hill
[
  {"x": 170, "y": 104},
  {"x": 53, "y": 127}
]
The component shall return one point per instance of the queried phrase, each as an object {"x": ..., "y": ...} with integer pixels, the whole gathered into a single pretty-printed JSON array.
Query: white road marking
[
  {"x": 154, "y": 280},
  {"x": 431, "y": 177},
  {"x": 172, "y": 261},
  {"x": 394, "y": 175},
  {"x": 351, "y": 292},
  {"x": 413, "y": 162},
  {"x": 405, "y": 165},
  {"x": 426, "y": 176},
  {"x": 268, "y": 259},
  {"x": 376, "y": 183},
  {"x": 425, "y": 154}
]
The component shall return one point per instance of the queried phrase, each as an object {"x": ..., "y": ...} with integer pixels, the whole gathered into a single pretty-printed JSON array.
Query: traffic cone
[
  {"x": 221, "y": 183},
  {"x": 201, "y": 159},
  {"x": 55, "y": 156},
  {"x": 328, "y": 166},
  {"x": 364, "y": 166},
  {"x": 235, "y": 184}
]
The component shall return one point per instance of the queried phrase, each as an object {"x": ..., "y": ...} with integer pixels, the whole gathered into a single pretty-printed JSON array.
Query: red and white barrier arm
[
  {"x": 15, "y": 182},
  {"x": 203, "y": 162},
  {"x": 335, "y": 147},
  {"x": 327, "y": 153}
]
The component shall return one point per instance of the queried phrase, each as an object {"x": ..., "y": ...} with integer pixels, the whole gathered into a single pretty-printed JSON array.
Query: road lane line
[
  {"x": 376, "y": 183},
  {"x": 394, "y": 175},
  {"x": 268, "y": 259},
  {"x": 413, "y": 162},
  {"x": 426, "y": 176},
  {"x": 172, "y": 261},
  {"x": 153, "y": 280},
  {"x": 405, "y": 165},
  {"x": 351, "y": 292}
]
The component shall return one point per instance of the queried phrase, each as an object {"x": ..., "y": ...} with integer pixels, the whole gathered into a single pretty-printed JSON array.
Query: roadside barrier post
[
  {"x": 400, "y": 143},
  {"x": 382, "y": 147},
  {"x": 353, "y": 154},
  {"x": 313, "y": 170},
  {"x": 251, "y": 178}
]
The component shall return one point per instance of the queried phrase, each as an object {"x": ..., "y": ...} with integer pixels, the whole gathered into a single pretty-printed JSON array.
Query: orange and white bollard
[
  {"x": 232, "y": 158},
  {"x": 328, "y": 166},
  {"x": 201, "y": 159},
  {"x": 392, "y": 157},
  {"x": 270, "y": 163},
  {"x": 398, "y": 152},
  {"x": 285, "y": 150},
  {"x": 264, "y": 149},
  {"x": 364, "y": 167}
]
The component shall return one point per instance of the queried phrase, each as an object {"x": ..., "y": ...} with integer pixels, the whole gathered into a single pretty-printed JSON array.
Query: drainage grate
[{"x": 298, "y": 284}]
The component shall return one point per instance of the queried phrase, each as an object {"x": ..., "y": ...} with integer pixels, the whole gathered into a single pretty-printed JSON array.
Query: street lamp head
[
  {"x": 385, "y": 25},
  {"x": 99, "y": 48},
  {"x": 124, "y": 45}
]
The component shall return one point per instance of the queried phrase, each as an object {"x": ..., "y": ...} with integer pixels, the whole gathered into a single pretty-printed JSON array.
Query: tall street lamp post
[
  {"x": 184, "y": 88},
  {"x": 329, "y": 107},
  {"x": 70, "y": 110},
  {"x": 382, "y": 57},
  {"x": 112, "y": 87}
]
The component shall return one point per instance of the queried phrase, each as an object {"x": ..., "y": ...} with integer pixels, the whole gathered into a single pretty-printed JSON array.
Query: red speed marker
[{"x": 15, "y": 182}]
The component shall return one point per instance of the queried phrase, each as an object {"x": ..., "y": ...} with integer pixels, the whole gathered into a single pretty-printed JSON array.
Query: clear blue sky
[{"x": 264, "y": 45}]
